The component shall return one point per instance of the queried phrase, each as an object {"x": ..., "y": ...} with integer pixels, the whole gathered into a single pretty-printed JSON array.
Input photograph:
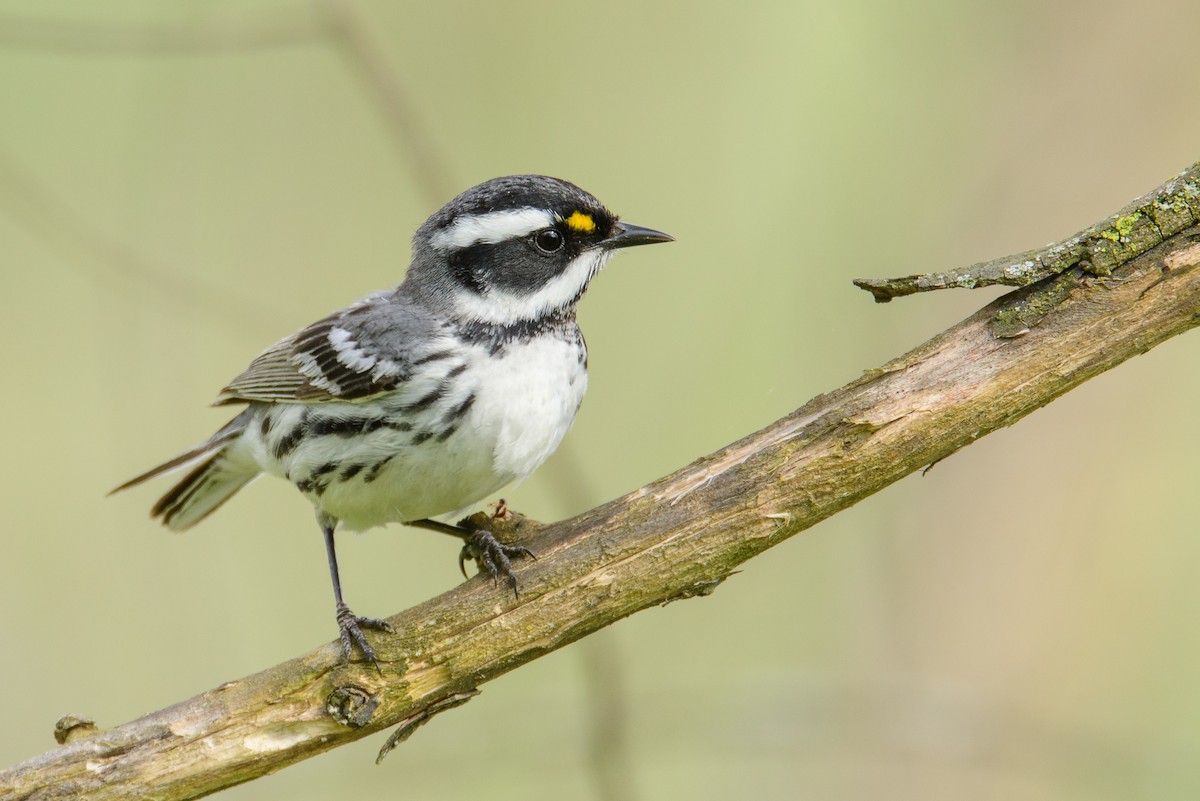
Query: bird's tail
[{"x": 212, "y": 482}]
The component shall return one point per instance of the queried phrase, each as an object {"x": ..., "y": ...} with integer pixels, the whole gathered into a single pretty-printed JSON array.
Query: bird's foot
[
  {"x": 350, "y": 628},
  {"x": 492, "y": 556}
]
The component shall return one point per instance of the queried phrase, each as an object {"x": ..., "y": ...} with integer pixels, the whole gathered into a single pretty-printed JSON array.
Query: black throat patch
[{"x": 496, "y": 337}]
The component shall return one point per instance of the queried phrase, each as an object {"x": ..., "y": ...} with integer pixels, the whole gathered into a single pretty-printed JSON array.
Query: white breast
[
  {"x": 527, "y": 399},
  {"x": 438, "y": 459}
]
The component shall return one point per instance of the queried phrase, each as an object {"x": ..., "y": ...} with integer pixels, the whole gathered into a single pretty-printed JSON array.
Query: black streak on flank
[
  {"x": 313, "y": 483},
  {"x": 373, "y": 473},
  {"x": 344, "y": 426},
  {"x": 350, "y": 471},
  {"x": 421, "y": 437},
  {"x": 459, "y": 410},
  {"x": 433, "y": 357},
  {"x": 354, "y": 426},
  {"x": 579, "y": 340},
  {"x": 265, "y": 425},
  {"x": 288, "y": 442},
  {"x": 324, "y": 470},
  {"x": 428, "y": 400}
]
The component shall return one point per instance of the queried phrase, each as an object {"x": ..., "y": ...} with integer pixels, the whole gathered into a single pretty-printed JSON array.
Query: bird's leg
[
  {"x": 481, "y": 545},
  {"x": 348, "y": 622}
]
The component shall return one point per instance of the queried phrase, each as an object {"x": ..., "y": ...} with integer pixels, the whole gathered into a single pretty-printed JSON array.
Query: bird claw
[
  {"x": 350, "y": 632},
  {"x": 492, "y": 556}
]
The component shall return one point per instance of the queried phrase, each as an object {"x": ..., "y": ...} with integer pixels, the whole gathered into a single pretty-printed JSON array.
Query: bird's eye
[{"x": 548, "y": 241}]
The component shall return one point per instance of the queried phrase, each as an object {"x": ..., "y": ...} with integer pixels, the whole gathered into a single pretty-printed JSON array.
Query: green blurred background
[{"x": 181, "y": 184}]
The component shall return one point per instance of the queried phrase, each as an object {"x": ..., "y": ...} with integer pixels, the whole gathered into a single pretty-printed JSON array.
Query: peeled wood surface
[{"x": 675, "y": 538}]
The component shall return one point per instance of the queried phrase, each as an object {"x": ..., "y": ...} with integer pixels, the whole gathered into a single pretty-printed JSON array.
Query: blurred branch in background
[
  {"x": 35, "y": 206},
  {"x": 347, "y": 29},
  {"x": 327, "y": 21},
  {"x": 676, "y": 538}
]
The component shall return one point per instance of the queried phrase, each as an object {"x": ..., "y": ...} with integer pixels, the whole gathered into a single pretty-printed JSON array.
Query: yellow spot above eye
[{"x": 581, "y": 222}]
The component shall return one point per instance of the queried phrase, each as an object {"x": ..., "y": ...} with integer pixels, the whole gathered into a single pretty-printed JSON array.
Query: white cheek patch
[
  {"x": 492, "y": 227},
  {"x": 498, "y": 306}
]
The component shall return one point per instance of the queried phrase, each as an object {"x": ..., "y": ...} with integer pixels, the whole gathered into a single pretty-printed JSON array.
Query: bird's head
[{"x": 516, "y": 248}]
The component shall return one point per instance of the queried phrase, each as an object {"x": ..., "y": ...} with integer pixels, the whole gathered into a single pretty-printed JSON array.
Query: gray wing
[{"x": 352, "y": 354}]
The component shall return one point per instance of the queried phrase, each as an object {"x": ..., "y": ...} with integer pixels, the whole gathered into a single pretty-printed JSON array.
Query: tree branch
[
  {"x": 675, "y": 538},
  {"x": 1097, "y": 250}
]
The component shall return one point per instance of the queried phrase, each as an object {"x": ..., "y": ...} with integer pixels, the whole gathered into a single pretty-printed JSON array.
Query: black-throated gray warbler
[{"x": 420, "y": 401}]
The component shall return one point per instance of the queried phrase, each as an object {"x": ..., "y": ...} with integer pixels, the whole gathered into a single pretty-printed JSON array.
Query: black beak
[{"x": 625, "y": 235}]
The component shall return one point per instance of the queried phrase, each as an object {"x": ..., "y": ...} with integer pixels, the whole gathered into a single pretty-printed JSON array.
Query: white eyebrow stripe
[{"x": 491, "y": 227}]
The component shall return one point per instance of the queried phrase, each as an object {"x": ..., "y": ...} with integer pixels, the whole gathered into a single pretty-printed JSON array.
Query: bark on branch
[{"x": 677, "y": 537}]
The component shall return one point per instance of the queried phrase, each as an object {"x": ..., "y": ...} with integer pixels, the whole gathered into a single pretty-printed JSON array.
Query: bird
[{"x": 417, "y": 402}]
